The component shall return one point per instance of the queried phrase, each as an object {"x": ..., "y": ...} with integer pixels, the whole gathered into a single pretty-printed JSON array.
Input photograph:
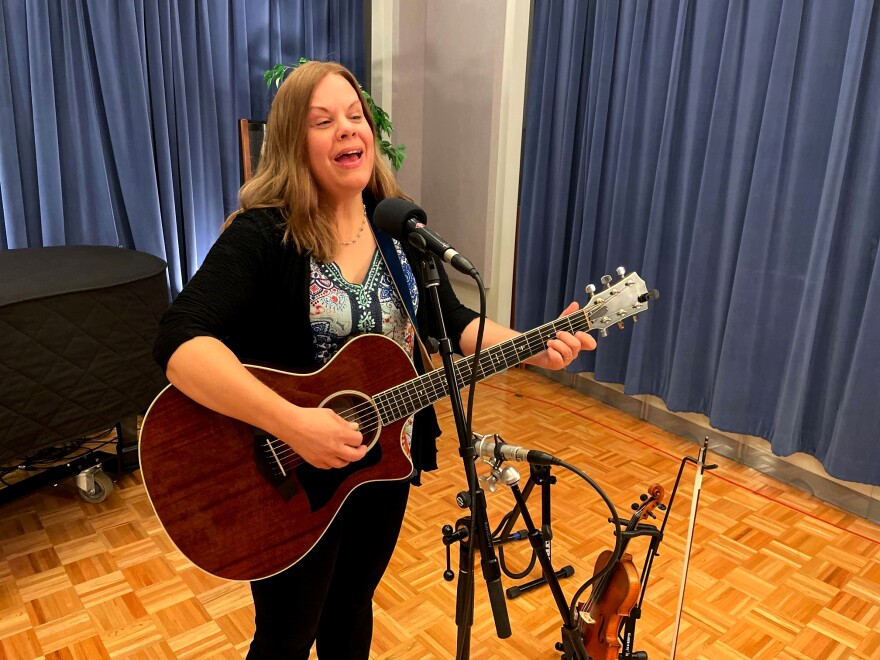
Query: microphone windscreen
[{"x": 391, "y": 216}]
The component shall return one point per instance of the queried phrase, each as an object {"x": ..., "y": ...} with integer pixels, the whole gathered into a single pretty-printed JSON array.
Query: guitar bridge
[
  {"x": 270, "y": 466},
  {"x": 318, "y": 485}
]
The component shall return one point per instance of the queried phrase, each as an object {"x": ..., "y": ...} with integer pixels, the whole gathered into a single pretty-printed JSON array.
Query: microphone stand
[{"x": 479, "y": 535}]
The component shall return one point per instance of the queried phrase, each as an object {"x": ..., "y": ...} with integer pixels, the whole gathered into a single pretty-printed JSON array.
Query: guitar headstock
[{"x": 626, "y": 297}]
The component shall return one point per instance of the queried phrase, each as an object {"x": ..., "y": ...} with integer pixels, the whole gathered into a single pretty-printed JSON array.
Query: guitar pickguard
[{"x": 320, "y": 485}]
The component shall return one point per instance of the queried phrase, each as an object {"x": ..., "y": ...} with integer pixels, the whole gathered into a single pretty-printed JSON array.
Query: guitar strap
[{"x": 392, "y": 262}]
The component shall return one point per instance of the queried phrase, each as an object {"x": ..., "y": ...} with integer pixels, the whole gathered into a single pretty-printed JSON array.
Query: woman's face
[{"x": 340, "y": 142}]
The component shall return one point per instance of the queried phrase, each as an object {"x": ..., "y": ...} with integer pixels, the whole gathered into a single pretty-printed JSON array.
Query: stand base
[
  {"x": 517, "y": 591},
  {"x": 572, "y": 645}
]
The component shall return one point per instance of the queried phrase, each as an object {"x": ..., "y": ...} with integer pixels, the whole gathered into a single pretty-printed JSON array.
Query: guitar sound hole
[{"x": 357, "y": 408}]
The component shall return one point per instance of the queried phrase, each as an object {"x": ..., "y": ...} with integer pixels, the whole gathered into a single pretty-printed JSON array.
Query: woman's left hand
[{"x": 563, "y": 350}]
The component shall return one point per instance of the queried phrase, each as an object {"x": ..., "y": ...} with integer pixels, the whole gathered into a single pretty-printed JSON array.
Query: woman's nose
[{"x": 346, "y": 129}]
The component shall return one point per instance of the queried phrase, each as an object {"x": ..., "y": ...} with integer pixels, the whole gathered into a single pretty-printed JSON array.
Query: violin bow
[{"x": 695, "y": 500}]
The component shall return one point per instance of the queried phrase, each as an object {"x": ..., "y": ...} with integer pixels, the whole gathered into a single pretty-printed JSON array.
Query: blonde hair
[{"x": 284, "y": 179}]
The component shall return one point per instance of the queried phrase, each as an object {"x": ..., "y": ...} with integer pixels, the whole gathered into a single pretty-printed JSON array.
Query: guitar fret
[
  {"x": 379, "y": 400},
  {"x": 397, "y": 407}
]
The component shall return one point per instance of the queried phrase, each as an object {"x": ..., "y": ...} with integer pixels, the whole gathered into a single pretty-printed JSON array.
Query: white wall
[{"x": 458, "y": 75}]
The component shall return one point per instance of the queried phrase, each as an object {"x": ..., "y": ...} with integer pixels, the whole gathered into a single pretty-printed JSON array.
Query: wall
[{"x": 456, "y": 103}]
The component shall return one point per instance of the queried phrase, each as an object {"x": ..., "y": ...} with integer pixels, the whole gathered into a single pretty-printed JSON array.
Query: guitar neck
[{"x": 410, "y": 397}]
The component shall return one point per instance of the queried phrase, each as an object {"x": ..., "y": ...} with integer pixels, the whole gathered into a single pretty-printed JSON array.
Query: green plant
[{"x": 384, "y": 128}]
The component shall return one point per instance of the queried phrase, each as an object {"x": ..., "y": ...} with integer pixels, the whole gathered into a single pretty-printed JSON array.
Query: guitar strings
[
  {"x": 534, "y": 340},
  {"x": 436, "y": 377},
  {"x": 356, "y": 413}
]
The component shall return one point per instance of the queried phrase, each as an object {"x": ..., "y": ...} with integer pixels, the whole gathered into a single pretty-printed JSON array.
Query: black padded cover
[{"x": 77, "y": 325}]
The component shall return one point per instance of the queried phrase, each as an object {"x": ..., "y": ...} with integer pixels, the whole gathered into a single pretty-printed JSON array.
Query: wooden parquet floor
[{"x": 774, "y": 573}]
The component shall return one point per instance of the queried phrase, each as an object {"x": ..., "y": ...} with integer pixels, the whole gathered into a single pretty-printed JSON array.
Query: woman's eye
[{"x": 357, "y": 117}]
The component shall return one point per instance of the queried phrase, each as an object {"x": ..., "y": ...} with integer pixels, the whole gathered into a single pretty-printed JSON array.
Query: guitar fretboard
[{"x": 410, "y": 397}]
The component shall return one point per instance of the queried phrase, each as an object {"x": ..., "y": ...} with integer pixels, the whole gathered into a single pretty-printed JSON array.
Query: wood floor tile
[
  {"x": 774, "y": 572},
  {"x": 64, "y": 632},
  {"x": 91, "y": 648},
  {"x": 103, "y": 588},
  {"x": 22, "y": 646}
]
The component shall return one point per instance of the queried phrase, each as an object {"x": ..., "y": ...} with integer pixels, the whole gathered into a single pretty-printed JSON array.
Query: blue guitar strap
[{"x": 392, "y": 263}]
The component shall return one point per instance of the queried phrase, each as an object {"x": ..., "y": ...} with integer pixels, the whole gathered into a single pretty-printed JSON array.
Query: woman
[{"x": 294, "y": 273}]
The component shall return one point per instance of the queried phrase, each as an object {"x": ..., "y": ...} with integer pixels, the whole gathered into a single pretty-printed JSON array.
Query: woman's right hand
[{"x": 323, "y": 438}]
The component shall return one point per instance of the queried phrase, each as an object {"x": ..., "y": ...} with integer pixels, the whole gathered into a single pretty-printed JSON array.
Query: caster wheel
[{"x": 102, "y": 488}]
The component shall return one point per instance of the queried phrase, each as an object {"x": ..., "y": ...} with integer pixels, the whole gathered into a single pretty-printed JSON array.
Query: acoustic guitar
[{"x": 242, "y": 505}]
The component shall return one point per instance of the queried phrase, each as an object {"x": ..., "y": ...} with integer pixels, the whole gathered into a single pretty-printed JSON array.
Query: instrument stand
[
  {"x": 480, "y": 537},
  {"x": 572, "y": 640},
  {"x": 539, "y": 475},
  {"x": 645, "y": 529},
  {"x": 629, "y": 625}
]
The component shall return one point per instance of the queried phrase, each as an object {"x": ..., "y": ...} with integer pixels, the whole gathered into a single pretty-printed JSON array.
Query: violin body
[
  {"x": 616, "y": 593},
  {"x": 600, "y": 626}
]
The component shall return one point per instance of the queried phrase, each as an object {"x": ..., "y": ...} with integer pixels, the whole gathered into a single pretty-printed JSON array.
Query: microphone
[
  {"x": 405, "y": 221},
  {"x": 505, "y": 452}
]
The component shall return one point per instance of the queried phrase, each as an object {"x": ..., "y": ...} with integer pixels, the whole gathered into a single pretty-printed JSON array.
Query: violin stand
[{"x": 539, "y": 475}]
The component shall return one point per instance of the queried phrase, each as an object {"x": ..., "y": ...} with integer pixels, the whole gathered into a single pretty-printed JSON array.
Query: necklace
[{"x": 360, "y": 233}]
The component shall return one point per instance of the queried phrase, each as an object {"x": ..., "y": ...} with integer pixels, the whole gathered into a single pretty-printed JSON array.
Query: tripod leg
[{"x": 464, "y": 593}]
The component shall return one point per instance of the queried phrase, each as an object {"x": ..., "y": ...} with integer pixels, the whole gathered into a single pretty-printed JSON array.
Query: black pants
[{"x": 328, "y": 594}]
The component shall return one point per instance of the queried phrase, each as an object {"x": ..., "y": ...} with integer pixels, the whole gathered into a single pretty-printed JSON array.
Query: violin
[{"x": 616, "y": 593}]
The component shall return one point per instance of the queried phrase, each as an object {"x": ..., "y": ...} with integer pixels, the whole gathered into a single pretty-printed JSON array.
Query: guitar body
[
  {"x": 212, "y": 494},
  {"x": 243, "y": 505}
]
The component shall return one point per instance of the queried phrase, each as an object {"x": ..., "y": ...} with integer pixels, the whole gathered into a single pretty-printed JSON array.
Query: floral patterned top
[{"x": 340, "y": 310}]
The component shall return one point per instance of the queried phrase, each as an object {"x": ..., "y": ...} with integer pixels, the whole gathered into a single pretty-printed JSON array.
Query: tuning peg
[
  {"x": 603, "y": 333},
  {"x": 606, "y": 280},
  {"x": 662, "y": 507},
  {"x": 634, "y": 506},
  {"x": 621, "y": 272},
  {"x": 620, "y": 325},
  {"x": 653, "y": 294},
  {"x": 651, "y": 514},
  {"x": 643, "y": 497},
  {"x": 635, "y": 318},
  {"x": 591, "y": 289}
]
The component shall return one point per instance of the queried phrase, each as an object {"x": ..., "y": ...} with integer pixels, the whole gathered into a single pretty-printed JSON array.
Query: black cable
[
  {"x": 618, "y": 545},
  {"x": 49, "y": 457},
  {"x": 501, "y": 525},
  {"x": 472, "y": 487},
  {"x": 513, "y": 574}
]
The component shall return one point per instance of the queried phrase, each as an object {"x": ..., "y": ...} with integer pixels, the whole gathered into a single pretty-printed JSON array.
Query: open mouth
[{"x": 349, "y": 157}]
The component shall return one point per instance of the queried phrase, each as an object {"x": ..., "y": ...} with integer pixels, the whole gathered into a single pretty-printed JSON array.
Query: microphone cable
[
  {"x": 472, "y": 487},
  {"x": 618, "y": 544}
]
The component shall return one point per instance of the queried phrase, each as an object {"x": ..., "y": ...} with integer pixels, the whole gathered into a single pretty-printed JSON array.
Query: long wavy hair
[{"x": 284, "y": 179}]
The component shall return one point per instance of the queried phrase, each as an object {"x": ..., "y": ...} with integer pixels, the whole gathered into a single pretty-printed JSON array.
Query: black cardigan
[{"x": 252, "y": 293}]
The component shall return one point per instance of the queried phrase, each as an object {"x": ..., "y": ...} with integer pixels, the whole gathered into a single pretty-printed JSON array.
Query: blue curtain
[
  {"x": 729, "y": 151},
  {"x": 119, "y": 118}
]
